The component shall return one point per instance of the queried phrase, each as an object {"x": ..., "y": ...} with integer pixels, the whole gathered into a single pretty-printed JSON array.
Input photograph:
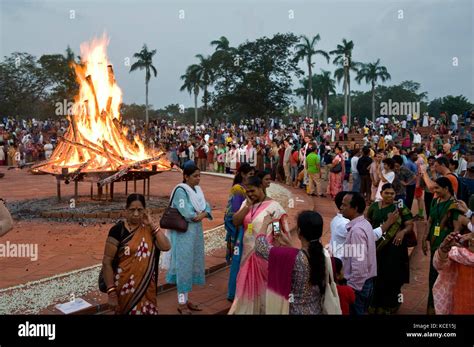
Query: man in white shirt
[
  {"x": 339, "y": 231},
  {"x": 354, "y": 172},
  {"x": 454, "y": 122},
  {"x": 251, "y": 154},
  {"x": 462, "y": 165},
  {"x": 416, "y": 138},
  {"x": 191, "y": 150},
  {"x": 48, "y": 150}
]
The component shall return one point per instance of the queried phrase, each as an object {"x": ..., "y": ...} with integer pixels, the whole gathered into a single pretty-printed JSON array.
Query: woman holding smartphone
[
  {"x": 393, "y": 268},
  {"x": 251, "y": 279}
]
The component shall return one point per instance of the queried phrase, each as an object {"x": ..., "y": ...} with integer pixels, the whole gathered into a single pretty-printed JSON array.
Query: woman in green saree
[
  {"x": 444, "y": 219},
  {"x": 393, "y": 269}
]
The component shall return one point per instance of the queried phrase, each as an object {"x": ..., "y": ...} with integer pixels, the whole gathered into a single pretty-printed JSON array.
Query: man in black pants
[{"x": 363, "y": 169}]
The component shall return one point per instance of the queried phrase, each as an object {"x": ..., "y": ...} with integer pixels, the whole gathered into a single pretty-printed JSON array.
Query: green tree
[
  {"x": 205, "y": 74},
  {"x": 145, "y": 61},
  {"x": 372, "y": 72},
  {"x": 23, "y": 86},
  {"x": 62, "y": 76},
  {"x": 325, "y": 86},
  {"x": 305, "y": 51},
  {"x": 345, "y": 65},
  {"x": 450, "y": 104},
  {"x": 260, "y": 84},
  {"x": 192, "y": 82}
]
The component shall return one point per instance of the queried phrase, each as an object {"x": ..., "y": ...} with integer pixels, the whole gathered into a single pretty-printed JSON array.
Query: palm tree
[
  {"x": 345, "y": 64},
  {"x": 302, "y": 92},
  {"x": 371, "y": 72},
  {"x": 325, "y": 85},
  {"x": 192, "y": 85},
  {"x": 306, "y": 50},
  {"x": 145, "y": 61},
  {"x": 205, "y": 74},
  {"x": 223, "y": 58}
]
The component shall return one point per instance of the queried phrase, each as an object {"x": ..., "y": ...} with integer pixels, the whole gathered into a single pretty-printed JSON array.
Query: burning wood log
[
  {"x": 125, "y": 170},
  {"x": 83, "y": 146},
  {"x": 45, "y": 162},
  {"x": 75, "y": 174},
  {"x": 109, "y": 147},
  {"x": 95, "y": 140},
  {"x": 91, "y": 86},
  {"x": 112, "y": 162}
]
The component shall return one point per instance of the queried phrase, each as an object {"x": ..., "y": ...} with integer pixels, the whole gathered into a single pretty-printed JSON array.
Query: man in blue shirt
[{"x": 410, "y": 188}]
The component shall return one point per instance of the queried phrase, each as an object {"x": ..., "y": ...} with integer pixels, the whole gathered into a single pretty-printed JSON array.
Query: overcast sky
[{"x": 421, "y": 46}]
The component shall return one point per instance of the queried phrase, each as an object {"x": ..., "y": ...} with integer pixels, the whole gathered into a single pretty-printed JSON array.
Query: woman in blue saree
[{"x": 235, "y": 233}]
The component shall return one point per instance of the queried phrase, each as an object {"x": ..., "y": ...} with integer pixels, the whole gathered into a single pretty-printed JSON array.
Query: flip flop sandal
[
  {"x": 194, "y": 307},
  {"x": 184, "y": 309}
]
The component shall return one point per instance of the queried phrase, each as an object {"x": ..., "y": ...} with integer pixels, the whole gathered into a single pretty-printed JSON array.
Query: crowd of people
[{"x": 374, "y": 184}]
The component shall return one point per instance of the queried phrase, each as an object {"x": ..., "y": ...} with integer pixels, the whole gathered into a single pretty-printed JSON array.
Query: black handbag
[
  {"x": 337, "y": 168},
  {"x": 172, "y": 219}
]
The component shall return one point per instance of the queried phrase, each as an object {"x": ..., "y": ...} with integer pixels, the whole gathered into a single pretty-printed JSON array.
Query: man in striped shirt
[{"x": 359, "y": 259}]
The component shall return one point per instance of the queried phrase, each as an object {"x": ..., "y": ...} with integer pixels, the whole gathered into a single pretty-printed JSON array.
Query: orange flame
[{"x": 95, "y": 140}]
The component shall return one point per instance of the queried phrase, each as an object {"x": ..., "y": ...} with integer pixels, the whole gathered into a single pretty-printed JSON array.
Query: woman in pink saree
[
  {"x": 253, "y": 273},
  {"x": 337, "y": 173}
]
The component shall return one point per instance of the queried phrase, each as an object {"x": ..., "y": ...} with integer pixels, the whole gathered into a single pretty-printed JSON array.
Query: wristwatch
[{"x": 468, "y": 214}]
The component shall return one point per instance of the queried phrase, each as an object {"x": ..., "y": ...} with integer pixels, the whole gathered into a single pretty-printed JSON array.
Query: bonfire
[{"x": 95, "y": 143}]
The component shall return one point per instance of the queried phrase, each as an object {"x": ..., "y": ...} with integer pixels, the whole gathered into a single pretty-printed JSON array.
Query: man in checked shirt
[{"x": 359, "y": 259}]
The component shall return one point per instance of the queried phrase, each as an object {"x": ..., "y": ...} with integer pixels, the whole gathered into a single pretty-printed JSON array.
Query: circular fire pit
[{"x": 79, "y": 209}]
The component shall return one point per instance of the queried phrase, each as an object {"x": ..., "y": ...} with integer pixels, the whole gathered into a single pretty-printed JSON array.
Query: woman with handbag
[
  {"x": 252, "y": 277},
  {"x": 393, "y": 268},
  {"x": 130, "y": 264},
  {"x": 187, "y": 247},
  {"x": 336, "y": 175},
  {"x": 300, "y": 281}
]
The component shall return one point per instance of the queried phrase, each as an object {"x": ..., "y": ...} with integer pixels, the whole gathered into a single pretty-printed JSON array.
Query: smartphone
[
  {"x": 276, "y": 227},
  {"x": 458, "y": 240}
]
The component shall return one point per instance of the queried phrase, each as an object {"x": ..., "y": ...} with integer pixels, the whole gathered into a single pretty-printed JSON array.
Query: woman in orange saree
[{"x": 131, "y": 257}]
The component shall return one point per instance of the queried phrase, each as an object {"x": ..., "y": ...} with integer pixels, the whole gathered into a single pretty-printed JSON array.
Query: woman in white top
[{"x": 386, "y": 174}]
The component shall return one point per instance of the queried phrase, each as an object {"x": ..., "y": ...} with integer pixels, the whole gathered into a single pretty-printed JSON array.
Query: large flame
[{"x": 95, "y": 140}]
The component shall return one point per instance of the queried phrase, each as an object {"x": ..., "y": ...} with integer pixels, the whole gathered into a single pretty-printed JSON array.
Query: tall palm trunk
[
  {"x": 325, "y": 106},
  {"x": 146, "y": 101},
  {"x": 310, "y": 88},
  {"x": 195, "y": 110},
  {"x": 345, "y": 91},
  {"x": 349, "y": 115},
  {"x": 373, "y": 102}
]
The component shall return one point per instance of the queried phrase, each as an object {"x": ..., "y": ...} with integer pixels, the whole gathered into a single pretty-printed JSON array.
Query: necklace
[{"x": 253, "y": 211}]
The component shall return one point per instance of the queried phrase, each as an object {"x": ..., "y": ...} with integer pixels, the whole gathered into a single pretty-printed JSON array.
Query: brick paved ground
[{"x": 69, "y": 246}]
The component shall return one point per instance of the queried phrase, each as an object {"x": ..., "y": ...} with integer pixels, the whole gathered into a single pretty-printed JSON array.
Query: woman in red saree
[
  {"x": 336, "y": 175},
  {"x": 252, "y": 277},
  {"x": 131, "y": 257}
]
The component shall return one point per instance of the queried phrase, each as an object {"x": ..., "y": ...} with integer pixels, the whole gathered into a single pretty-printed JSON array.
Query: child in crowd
[{"x": 346, "y": 293}]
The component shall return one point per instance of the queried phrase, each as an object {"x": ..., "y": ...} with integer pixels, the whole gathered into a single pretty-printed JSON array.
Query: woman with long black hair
[{"x": 296, "y": 277}]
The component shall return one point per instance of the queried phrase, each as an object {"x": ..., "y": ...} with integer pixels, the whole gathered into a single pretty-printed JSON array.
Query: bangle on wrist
[{"x": 111, "y": 290}]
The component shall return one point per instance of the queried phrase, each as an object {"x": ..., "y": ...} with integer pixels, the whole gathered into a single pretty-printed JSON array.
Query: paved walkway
[{"x": 68, "y": 246}]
